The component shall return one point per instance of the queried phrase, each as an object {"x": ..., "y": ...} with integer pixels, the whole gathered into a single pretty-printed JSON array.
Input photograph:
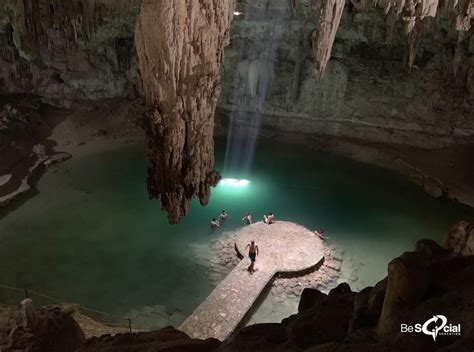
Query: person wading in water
[{"x": 253, "y": 252}]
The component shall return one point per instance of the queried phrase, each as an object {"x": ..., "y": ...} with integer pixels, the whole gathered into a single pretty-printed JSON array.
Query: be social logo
[{"x": 435, "y": 326}]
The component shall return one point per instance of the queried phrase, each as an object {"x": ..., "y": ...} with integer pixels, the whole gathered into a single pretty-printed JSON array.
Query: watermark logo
[{"x": 435, "y": 326}]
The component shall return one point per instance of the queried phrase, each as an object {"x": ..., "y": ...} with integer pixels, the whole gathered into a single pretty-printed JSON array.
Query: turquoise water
[{"x": 92, "y": 236}]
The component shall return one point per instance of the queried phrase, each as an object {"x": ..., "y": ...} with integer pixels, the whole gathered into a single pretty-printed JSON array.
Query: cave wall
[
  {"x": 73, "y": 54},
  {"x": 86, "y": 56},
  {"x": 367, "y": 90}
]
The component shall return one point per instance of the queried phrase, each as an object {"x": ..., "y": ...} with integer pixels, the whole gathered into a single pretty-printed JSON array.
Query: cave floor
[{"x": 284, "y": 247}]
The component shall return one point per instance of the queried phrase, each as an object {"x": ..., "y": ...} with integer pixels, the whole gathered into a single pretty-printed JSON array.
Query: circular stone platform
[{"x": 284, "y": 247}]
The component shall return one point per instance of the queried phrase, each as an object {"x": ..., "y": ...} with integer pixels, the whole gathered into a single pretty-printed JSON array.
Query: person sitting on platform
[
  {"x": 223, "y": 215},
  {"x": 253, "y": 252},
  {"x": 320, "y": 234},
  {"x": 215, "y": 223},
  {"x": 247, "y": 218},
  {"x": 269, "y": 219}
]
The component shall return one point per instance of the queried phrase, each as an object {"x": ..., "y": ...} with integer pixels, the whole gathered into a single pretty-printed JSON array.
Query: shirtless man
[
  {"x": 247, "y": 218},
  {"x": 253, "y": 252}
]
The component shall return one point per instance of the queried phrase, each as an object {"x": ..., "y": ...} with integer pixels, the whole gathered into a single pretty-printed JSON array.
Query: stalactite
[
  {"x": 412, "y": 13},
  {"x": 180, "y": 47},
  {"x": 328, "y": 17},
  {"x": 414, "y": 39},
  {"x": 465, "y": 12}
]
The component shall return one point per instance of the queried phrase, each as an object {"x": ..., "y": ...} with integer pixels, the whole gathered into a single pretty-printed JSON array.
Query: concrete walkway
[{"x": 284, "y": 247}]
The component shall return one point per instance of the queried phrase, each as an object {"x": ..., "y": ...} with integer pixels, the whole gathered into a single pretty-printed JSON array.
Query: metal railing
[{"x": 13, "y": 296}]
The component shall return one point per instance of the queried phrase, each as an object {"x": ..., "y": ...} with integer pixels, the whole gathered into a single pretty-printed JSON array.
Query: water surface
[{"x": 92, "y": 236}]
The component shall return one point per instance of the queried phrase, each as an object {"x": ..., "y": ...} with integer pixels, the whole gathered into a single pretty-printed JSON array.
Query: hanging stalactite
[
  {"x": 180, "y": 46},
  {"x": 329, "y": 15}
]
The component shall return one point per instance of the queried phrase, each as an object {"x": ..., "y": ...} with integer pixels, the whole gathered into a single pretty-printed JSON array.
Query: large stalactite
[
  {"x": 180, "y": 46},
  {"x": 328, "y": 18}
]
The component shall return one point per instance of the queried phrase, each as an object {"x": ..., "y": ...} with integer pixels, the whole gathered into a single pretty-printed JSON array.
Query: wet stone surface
[{"x": 284, "y": 248}]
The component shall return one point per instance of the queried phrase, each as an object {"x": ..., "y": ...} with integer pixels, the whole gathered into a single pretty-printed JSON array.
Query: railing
[{"x": 13, "y": 295}]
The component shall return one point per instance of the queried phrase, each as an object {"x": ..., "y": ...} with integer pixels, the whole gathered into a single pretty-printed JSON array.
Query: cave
[{"x": 236, "y": 175}]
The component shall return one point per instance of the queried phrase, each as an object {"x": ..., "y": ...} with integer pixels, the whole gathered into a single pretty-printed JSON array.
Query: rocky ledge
[
  {"x": 431, "y": 280},
  {"x": 25, "y": 148}
]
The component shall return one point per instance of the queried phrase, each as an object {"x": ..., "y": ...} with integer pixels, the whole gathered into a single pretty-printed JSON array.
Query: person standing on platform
[{"x": 253, "y": 252}]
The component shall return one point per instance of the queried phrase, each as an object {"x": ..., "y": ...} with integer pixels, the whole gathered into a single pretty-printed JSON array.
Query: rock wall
[
  {"x": 73, "y": 54},
  {"x": 85, "y": 55},
  {"x": 367, "y": 90}
]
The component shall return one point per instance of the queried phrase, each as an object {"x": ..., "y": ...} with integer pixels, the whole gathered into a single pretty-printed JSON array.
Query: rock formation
[
  {"x": 367, "y": 92},
  {"x": 51, "y": 330},
  {"x": 411, "y": 12},
  {"x": 464, "y": 14},
  {"x": 73, "y": 54},
  {"x": 167, "y": 339},
  {"x": 460, "y": 238},
  {"x": 180, "y": 47},
  {"x": 327, "y": 21}
]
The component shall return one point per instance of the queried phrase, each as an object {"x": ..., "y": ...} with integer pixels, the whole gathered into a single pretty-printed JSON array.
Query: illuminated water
[{"x": 92, "y": 236}]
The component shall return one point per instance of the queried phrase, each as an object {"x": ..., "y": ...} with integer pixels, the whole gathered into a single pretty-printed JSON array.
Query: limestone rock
[
  {"x": 180, "y": 47},
  {"x": 77, "y": 53},
  {"x": 368, "y": 305},
  {"x": 258, "y": 337},
  {"x": 54, "y": 331},
  {"x": 366, "y": 92},
  {"x": 460, "y": 238},
  {"x": 434, "y": 187},
  {"x": 327, "y": 21},
  {"x": 408, "y": 281},
  {"x": 328, "y": 321},
  {"x": 87, "y": 60},
  {"x": 167, "y": 339},
  {"x": 310, "y": 298},
  {"x": 465, "y": 14}
]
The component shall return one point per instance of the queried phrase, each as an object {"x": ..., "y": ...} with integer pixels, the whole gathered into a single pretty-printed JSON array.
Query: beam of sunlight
[{"x": 252, "y": 82}]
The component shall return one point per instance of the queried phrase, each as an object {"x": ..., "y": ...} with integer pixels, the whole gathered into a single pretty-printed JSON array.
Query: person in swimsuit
[
  {"x": 320, "y": 234},
  {"x": 215, "y": 223},
  {"x": 223, "y": 215},
  {"x": 247, "y": 218},
  {"x": 269, "y": 219},
  {"x": 253, "y": 252}
]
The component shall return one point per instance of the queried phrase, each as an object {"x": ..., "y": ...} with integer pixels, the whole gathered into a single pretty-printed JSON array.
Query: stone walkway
[{"x": 284, "y": 247}]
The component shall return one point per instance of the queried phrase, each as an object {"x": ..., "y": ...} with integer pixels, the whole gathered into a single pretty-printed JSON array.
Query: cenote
[{"x": 92, "y": 236}]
